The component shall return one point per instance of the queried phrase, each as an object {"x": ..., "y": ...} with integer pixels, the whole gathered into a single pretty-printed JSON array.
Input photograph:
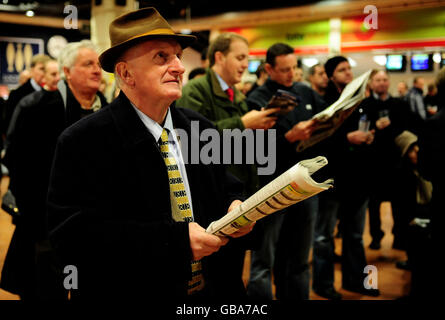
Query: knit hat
[
  {"x": 404, "y": 141},
  {"x": 332, "y": 63}
]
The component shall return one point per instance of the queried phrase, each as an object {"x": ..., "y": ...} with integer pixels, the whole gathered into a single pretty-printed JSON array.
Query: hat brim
[{"x": 109, "y": 57}]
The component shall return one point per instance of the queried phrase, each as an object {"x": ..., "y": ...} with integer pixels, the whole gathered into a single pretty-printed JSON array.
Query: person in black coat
[
  {"x": 431, "y": 166},
  {"x": 30, "y": 86},
  {"x": 287, "y": 238},
  {"x": 349, "y": 152},
  {"x": 43, "y": 116},
  {"x": 389, "y": 116},
  {"x": 110, "y": 207}
]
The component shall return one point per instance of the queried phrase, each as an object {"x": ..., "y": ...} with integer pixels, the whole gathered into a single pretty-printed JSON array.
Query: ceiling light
[
  {"x": 309, "y": 62},
  {"x": 437, "y": 57},
  {"x": 380, "y": 60},
  {"x": 352, "y": 62},
  {"x": 29, "y": 13}
]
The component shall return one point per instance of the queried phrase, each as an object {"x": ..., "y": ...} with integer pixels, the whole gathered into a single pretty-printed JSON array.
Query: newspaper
[
  {"x": 284, "y": 100},
  {"x": 291, "y": 187},
  {"x": 328, "y": 120}
]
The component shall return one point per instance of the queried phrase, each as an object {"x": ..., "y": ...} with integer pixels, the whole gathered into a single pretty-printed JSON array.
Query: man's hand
[
  {"x": 301, "y": 131},
  {"x": 244, "y": 230},
  {"x": 259, "y": 119},
  {"x": 359, "y": 137},
  {"x": 202, "y": 243}
]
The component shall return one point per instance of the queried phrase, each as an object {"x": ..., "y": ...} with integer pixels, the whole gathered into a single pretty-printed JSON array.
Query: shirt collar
[
  {"x": 35, "y": 85},
  {"x": 154, "y": 127},
  {"x": 377, "y": 97},
  {"x": 222, "y": 83}
]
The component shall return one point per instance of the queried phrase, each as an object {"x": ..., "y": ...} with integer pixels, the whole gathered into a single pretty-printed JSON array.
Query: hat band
[{"x": 159, "y": 31}]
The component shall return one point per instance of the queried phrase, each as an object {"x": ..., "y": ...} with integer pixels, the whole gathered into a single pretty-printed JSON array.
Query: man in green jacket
[{"x": 216, "y": 97}]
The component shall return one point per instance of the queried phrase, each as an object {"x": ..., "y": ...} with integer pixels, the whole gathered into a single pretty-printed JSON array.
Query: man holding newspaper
[{"x": 130, "y": 219}]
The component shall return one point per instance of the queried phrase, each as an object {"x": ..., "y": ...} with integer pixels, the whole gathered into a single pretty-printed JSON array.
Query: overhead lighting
[
  {"x": 5, "y": 1},
  {"x": 309, "y": 62},
  {"x": 380, "y": 60},
  {"x": 352, "y": 62},
  {"x": 29, "y": 13},
  {"x": 437, "y": 57}
]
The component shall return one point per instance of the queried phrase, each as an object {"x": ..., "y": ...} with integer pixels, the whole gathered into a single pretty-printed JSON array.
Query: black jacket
[
  {"x": 110, "y": 215},
  {"x": 385, "y": 155},
  {"x": 29, "y": 156},
  {"x": 14, "y": 98},
  {"x": 310, "y": 103}
]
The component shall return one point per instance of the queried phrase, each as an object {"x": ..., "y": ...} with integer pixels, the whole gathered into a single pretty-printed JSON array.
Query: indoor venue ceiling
[{"x": 170, "y": 9}]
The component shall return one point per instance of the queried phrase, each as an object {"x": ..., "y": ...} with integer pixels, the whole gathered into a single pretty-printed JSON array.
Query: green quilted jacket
[{"x": 205, "y": 96}]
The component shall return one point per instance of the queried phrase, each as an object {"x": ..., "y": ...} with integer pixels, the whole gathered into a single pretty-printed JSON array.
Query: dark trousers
[
  {"x": 352, "y": 213},
  {"x": 323, "y": 252},
  {"x": 291, "y": 269},
  {"x": 375, "y": 223},
  {"x": 262, "y": 260}
]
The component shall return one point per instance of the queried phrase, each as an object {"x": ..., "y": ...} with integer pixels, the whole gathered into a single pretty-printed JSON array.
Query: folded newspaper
[
  {"x": 292, "y": 186},
  {"x": 285, "y": 100},
  {"x": 328, "y": 120}
]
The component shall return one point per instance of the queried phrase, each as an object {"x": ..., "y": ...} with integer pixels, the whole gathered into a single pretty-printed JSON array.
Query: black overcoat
[
  {"x": 110, "y": 215},
  {"x": 41, "y": 117}
]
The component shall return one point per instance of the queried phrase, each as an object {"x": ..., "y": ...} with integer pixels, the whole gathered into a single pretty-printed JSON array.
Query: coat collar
[
  {"x": 218, "y": 91},
  {"x": 131, "y": 127}
]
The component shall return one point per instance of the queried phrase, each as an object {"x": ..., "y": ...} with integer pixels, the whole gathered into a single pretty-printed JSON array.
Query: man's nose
[
  {"x": 97, "y": 68},
  {"x": 177, "y": 66}
]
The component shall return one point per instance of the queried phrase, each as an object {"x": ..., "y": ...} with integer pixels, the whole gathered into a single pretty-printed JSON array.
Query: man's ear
[
  {"x": 124, "y": 73},
  {"x": 219, "y": 57},
  {"x": 66, "y": 71},
  {"x": 268, "y": 68}
]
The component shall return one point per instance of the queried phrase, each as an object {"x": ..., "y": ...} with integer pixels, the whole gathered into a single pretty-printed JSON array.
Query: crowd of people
[{"x": 103, "y": 185}]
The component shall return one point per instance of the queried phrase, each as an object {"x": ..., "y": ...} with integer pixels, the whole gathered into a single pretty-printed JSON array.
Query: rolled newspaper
[{"x": 293, "y": 186}]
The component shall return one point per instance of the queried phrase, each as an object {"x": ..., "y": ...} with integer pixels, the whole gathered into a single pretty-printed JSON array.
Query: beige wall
[{"x": 191, "y": 59}]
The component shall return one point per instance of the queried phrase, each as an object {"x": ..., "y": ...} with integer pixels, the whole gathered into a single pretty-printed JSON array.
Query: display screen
[
  {"x": 253, "y": 65},
  {"x": 421, "y": 62},
  {"x": 395, "y": 62}
]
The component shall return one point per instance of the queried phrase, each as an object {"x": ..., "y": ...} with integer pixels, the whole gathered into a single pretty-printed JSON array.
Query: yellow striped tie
[{"x": 181, "y": 209}]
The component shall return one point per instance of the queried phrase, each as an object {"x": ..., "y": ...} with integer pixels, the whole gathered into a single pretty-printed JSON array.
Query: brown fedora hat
[{"x": 135, "y": 26}]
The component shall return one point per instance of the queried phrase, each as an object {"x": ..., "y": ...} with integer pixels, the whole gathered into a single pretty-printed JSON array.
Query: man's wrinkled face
[
  {"x": 155, "y": 69},
  {"x": 284, "y": 70},
  {"x": 85, "y": 74}
]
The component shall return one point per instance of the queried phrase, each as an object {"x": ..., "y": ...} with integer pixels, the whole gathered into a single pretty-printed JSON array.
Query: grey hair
[{"x": 68, "y": 56}]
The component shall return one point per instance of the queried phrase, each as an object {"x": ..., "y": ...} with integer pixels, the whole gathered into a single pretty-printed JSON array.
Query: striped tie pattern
[{"x": 181, "y": 210}]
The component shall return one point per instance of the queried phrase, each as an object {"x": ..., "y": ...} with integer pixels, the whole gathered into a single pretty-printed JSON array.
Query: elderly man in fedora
[{"x": 126, "y": 210}]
